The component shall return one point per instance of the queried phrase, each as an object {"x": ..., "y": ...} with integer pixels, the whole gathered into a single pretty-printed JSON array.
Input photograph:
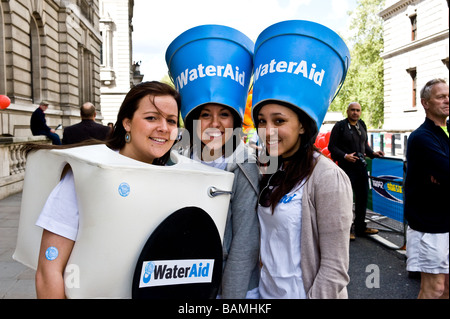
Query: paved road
[
  {"x": 376, "y": 272},
  {"x": 16, "y": 280}
]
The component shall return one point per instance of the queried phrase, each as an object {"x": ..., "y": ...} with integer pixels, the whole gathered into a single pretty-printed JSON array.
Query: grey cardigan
[
  {"x": 326, "y": 221},
  {"x": 241, "y": 237}
]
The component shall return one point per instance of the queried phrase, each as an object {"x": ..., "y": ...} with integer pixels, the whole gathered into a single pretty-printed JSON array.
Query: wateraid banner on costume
[
  {"x": 387, "y": 187},
  {"x": 176, "y": 272}
]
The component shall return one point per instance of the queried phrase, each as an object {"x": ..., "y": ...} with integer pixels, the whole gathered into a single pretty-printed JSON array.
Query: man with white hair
[
  {"x": 38, "y": 124},
  {"x": 426, "y": 194}
]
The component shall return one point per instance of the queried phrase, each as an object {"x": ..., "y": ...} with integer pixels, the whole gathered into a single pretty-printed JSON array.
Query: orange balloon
[
  {"x": 248, "y": 123},
  {"x": 4, "y": 102}
]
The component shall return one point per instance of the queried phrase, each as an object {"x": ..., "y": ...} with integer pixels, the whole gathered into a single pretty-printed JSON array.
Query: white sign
[{"x": 176, "y": 272}]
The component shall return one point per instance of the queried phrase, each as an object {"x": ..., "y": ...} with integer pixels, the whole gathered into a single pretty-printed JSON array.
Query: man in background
[
  {"x": 38, "y": 124},
  {"x": 349, "y": 146},
  {"x": 87, "y": 128},
  {"x": 426, "y": 194}
]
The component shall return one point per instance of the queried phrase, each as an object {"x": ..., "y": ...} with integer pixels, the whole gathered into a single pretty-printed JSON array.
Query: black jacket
[
  {"x": 426, "y": 201},
  {"x": 345, "y": 139},
  {"x": 38, "y": 124},
  {"x": 85, "y": 130}
]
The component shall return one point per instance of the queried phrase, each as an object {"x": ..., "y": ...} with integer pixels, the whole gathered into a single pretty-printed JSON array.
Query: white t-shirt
[
  {"x": 281, "y": 275},
  {"x": 220, "y": 162},
  {"x": 60, "y": 212}
]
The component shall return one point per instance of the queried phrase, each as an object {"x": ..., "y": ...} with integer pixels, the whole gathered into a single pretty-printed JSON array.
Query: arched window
[
  {"x": 413, "y": 73},
  {"x": 2, "y": 54},
  {"x": 85, "y": 78},
  {"x": 35, "y": 60}
]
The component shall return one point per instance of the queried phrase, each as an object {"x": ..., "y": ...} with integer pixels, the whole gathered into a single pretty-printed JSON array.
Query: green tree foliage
[
  {"x": 364, "y": 82},
  {"x": 166, "y": 79}
]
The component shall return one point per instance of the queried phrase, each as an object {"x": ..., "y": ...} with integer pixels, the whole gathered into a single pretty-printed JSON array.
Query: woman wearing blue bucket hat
[
  {"x": 211, "y": 66},
  {"x": 305, "y": 203}
]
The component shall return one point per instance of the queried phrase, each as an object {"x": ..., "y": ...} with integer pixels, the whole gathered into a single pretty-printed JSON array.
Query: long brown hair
[
  {"x": 127, "y": 110},
  {"x": 298, "y": 167}
]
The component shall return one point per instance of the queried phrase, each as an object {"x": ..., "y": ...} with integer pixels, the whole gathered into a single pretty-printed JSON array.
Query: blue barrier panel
[{"x": 387, "y": 187}]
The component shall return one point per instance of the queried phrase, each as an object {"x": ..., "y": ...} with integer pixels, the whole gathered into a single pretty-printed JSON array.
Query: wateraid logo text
[
  {"x": 291, "y": 67},
  {"x": 226, "y": 71},
  {"x": 176, "y": 272}
]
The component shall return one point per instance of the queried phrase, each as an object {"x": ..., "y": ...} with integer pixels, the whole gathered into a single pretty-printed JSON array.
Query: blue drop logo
[{"x": 124, "y": 189}]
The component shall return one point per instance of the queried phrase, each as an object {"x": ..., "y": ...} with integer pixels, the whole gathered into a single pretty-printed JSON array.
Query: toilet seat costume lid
[
  {"x": 182, "y": 259},
  {"x": 211, "y": 64},
  {"x": 121, "y": 202}
]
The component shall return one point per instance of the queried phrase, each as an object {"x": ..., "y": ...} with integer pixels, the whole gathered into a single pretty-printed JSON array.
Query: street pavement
[
  {"x": 16, "y": 280},
  {"x": 376, "y": 271}
]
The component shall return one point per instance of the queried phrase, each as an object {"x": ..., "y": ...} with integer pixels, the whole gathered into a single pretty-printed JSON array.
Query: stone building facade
[
  {"x": 416, "y": 50},
  {"x": 116, "y": 68},
  {"x": 49, "y": 50}
]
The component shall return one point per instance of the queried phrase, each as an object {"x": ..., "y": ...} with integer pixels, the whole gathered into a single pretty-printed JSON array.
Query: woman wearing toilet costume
[
  {"x": 211, "y": 66},
  {"x": 146, "y": 128},
  {"x": 305, "y": 204}
]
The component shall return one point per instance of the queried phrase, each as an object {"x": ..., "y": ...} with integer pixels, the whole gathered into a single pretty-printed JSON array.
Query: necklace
[{"x": 356, "y": 126}]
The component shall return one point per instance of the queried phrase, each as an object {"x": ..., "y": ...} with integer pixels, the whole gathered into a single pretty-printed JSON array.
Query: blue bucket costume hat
[
  {"x": 299, "y": 64},
  {"x": 211, "y": 64}
]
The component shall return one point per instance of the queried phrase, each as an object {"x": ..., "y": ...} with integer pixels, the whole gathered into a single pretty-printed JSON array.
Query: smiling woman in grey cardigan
[
  {"x": 304, "y": 209},
  {"x": 212, "y": 107}
]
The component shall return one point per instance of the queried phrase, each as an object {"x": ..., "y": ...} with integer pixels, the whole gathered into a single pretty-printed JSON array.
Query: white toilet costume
[{"x": 121, "y": 201}]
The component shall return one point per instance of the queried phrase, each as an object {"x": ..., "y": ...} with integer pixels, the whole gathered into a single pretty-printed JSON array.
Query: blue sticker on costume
[
  {"x": 51, "y": 253},
  {"x": 124, "y": 189}
]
